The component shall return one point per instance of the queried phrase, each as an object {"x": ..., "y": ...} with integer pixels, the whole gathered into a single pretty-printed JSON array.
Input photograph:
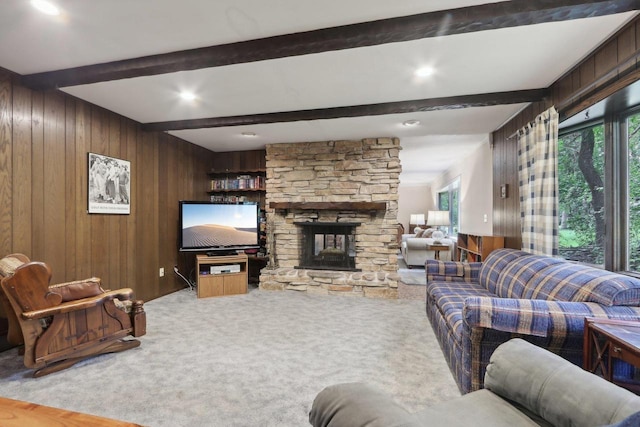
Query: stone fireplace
[
  {"x": 332, "y": 217},
  {"x": 327, "y": 245}
]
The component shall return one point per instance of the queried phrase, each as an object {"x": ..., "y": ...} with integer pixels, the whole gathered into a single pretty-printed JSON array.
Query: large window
[
  {"x": 599, "y": 183},
  {"x": 631, "y": 133},
  {"x": 581, "y": 194},
  {"x": 449, "y": 200}
]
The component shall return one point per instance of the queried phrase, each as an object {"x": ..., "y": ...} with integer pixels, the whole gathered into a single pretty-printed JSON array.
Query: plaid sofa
[{"x": 475, "y": 307}]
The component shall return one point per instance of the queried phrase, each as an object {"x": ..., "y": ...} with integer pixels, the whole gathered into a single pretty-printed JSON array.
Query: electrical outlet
[
  {"x": 161, "y": 271},
  {"x": 485, "y": 218}
]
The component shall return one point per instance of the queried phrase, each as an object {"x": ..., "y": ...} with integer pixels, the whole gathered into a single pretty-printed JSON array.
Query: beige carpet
[
  {"x": 411, "y": 276},
  {"x": 251, "y": 360}
]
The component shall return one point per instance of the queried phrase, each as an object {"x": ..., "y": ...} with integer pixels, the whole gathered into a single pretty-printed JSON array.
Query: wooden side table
[
  {"x": 607, "y": 339},
  {"x": 437, "y": 249}
]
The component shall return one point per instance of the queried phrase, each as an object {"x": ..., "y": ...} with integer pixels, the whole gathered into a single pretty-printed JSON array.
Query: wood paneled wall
[
  {"x": 44, "y": 141},
  {"x": 611, "y": 67}
]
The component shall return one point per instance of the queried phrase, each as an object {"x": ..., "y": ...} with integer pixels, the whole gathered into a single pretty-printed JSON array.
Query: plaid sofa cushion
[
  {"x": 513, "y": 279},
  {"x": 572, "y": 282},
  {"x": 494, "y": 264}
]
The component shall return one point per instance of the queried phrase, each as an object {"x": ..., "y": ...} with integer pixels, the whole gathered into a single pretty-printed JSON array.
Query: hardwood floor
[{"x": 18, "y": 413}]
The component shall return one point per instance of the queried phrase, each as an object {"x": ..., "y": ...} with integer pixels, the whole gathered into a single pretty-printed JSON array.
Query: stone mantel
[{"x": 335, "y": 206}]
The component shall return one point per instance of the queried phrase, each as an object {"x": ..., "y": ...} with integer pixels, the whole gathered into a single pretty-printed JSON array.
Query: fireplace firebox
[{"x": 327, "y": 245}]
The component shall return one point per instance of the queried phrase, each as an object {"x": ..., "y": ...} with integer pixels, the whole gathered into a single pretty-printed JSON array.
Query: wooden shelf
[
  {"x": 218, "y": 172},
  {"x": 236, "y": 166},
  {"x": 475, "y": 248},
  {"x": 237, "y": 190},
  {"x": 238, "y": 185}
]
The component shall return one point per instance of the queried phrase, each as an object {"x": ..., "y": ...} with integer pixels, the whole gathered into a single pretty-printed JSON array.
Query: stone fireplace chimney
[{"x": 315, "y": 191}]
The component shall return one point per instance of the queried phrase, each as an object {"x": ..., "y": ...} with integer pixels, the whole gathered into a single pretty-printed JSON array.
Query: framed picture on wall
[{"x": 109, "y": 185}]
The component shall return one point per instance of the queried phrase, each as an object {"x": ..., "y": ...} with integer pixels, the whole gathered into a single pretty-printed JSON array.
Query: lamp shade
[
  {"x": 438, "y": 218},
  {"x": 417, "y": 219}
]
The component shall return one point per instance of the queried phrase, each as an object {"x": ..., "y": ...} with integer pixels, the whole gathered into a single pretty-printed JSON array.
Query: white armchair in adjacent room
[{"x": 416, "y": 248}]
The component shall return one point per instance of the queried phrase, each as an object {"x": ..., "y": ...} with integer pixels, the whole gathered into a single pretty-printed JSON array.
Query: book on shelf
[
  {"x": 218, "y": 198},
  {"x": 241, "y": 182}
]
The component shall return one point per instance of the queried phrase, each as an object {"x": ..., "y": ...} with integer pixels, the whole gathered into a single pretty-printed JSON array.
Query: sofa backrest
[
  {"x": 506, "y": 272},
  {"x": 555, "y": 389},
  {"x": 495, "y": 264},
  {"x": 510, "y": 273},
  {"x": 575, "y": 282},
  {"x": 516, "y": 276}
]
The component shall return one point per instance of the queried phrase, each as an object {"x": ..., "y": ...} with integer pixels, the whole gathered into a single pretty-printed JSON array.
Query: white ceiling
[{"x": 96, "y": 31}]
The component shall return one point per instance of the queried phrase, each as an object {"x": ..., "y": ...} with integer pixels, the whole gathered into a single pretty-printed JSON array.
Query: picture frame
[{"x": 108, "y": 185}]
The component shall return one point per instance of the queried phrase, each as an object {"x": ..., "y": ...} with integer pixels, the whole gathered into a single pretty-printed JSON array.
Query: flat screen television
[{"x": 218, "y": 228}]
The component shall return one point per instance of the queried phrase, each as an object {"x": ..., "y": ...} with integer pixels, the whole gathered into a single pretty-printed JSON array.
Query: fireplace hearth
[{"x": 327, "y": 245}]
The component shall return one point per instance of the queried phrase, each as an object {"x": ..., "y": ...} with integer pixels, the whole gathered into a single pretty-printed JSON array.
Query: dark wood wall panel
[
  {"x": 98, "y": 223},
  {"x": 586, "y": 84},
  {"x": 82, "y": 221},
  {"x": 44, "y": 141},
  {"x": 240, "y": 160},
  {"x": 164, "y": 239},
  {"x": 70, "y": 187},
  {"x": 129, "y": 267},
  {"x": 113, "y": 222},
  {"x": 6, "y": 240},
  {"x": 20, "y": 181},
  {"x": 37, "y": 177},
  {"x": 53, "y": 182}
]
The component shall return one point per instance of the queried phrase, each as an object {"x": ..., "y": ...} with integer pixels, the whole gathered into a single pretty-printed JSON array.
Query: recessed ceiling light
[
  {"x": 45, "y": 7},
  {"x": 411, "y": 123},
  {"x": 188, "y": 96},
  {"x": 249, "y": 134},
  {"x": 425, "y": 71}
]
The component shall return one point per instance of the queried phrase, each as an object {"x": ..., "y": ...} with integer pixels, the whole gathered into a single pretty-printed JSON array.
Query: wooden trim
[
  {"x": 616, "y": 79},
  {"x": 440, "y": 23},
  {"x": 399, "y": 107}
]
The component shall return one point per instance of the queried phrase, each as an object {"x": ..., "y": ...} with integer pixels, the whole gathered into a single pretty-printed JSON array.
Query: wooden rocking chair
[{"x": 62, "y": 324}]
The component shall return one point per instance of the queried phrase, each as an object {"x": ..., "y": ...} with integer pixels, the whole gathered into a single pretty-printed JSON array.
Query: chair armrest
[
  {"x": 79, "y": 304},
  {"x": 357, "y": 405},
  {"x": 452, "y": 271},
  {"x": 540, "y": 318},
  {"x": 9, "y": 263}
]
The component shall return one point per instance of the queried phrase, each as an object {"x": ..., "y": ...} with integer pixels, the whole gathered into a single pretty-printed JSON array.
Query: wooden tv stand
[{"x": 224, "y": 283}]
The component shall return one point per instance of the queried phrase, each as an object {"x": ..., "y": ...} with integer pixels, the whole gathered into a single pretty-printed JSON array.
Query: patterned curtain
[{"x": 537, "y": 169}]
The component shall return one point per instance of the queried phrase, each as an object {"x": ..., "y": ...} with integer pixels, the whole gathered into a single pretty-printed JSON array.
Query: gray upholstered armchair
[{"x": 525, "y": 385}]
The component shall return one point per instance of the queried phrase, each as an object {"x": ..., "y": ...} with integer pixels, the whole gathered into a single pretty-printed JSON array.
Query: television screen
[{"x": 206, "y": 226}]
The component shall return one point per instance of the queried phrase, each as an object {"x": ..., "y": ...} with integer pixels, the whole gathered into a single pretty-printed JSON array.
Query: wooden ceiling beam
[
  {"x": 484, "y": 17},
  {"x": 399, "y": 107}
]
